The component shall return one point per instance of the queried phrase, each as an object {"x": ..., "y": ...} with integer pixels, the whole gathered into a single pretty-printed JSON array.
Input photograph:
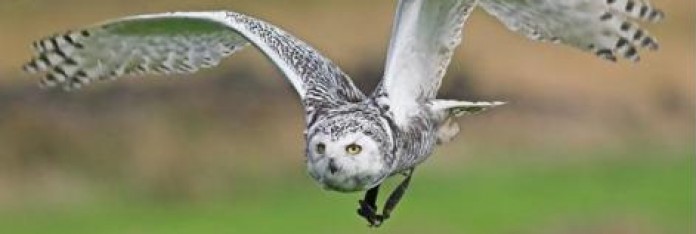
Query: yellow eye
[
  {"x": 321, "y": 148},
  {"x": 353, "y": 149}
]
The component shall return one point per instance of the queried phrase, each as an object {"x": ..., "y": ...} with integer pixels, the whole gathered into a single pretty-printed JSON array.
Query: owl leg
[
  {"x": 396, "y": 196},
  {"x": 368, "y": 207}
]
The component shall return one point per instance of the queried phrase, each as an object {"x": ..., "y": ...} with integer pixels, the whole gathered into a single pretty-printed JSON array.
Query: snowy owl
[{"x": 353, "y": 141}]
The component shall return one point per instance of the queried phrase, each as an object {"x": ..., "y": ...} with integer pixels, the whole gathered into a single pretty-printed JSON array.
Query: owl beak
[{"x": 333, "y": 167}]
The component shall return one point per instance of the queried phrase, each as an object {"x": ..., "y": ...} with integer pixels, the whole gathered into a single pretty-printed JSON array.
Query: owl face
[{"x": 348, "y": 157}]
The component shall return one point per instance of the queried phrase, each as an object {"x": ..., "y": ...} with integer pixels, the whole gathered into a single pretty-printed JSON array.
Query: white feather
[{"x": 424, "y": 36}]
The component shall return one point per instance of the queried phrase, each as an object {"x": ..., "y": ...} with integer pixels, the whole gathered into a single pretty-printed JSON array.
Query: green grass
[{"x": 640, "y": 196}]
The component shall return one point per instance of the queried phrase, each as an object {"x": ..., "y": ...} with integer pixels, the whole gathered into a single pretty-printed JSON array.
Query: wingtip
[
  {"x": 498, "y": 103},
  {"x": 657, "y": 16},
  {"x": 29, "y": 68}
]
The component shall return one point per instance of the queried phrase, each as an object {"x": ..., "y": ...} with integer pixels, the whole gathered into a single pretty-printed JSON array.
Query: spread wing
[
  {"x": 606, "y": 28},
  {"x": 183, "y": 42},
  {"x": 424, "y": 36},
  {"x": 426, "y": 32}
]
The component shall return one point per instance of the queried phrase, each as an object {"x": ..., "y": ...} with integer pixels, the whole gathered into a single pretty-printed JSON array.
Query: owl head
[{"x": 350, "y": 151}]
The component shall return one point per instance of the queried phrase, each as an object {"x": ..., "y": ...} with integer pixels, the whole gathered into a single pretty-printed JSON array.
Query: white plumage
[{"x": 353, "y": 141}]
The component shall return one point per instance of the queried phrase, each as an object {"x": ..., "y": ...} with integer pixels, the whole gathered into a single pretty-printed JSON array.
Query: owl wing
[
  {"x": 184, "y": 42},
  {"x": 424, "y": 36},
  {"x": 606, "y": 28},
  {"x": 426, "y": 33}
]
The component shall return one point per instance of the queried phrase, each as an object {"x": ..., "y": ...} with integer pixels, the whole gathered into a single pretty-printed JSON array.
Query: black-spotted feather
[
  {"x": 607, "y": 28},
  {"x": 184, "y": 42}
]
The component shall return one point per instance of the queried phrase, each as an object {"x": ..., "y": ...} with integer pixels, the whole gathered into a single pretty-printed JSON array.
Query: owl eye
[
  {"x": 353, "y": 149},
  {"x": 321, "y": 148}
]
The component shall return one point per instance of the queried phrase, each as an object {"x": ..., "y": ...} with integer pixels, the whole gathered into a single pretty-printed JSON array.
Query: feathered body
[{"x": 400, "y": 148}]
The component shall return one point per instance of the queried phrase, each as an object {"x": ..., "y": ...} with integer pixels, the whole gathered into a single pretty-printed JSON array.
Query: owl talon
[
  {"x": 368, "y": 207},
  {"x": 369, "y": 212}
]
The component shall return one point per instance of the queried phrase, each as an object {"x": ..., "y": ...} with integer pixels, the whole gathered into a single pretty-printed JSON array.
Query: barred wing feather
[
  {"x": 184, "y": 42},
  {"x": 607, "y": 28}
]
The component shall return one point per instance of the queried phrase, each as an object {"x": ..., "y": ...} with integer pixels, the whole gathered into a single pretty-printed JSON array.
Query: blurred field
[
  {"x": 584, "y": 146},
  {"x": 609, "y": 196}
]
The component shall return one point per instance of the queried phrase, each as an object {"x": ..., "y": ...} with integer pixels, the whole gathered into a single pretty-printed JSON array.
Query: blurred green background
[{"x": 584, "y": 145}]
